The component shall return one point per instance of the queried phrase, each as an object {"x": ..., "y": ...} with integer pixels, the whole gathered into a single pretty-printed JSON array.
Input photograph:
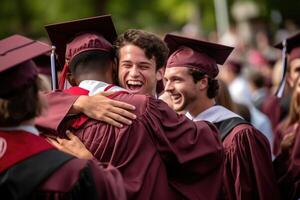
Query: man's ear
[
  {"x": 203, "y": 83},
  {"x": 71, "y": 79},
  {"x": 160, "y": 73},
  {"x": 115, "y": 72}
]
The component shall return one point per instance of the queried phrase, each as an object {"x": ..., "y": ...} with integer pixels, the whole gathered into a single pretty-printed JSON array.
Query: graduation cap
[
  {"x": 292, "y": 46},
  {"x": 74, "y": 37},
  {"x": 188, "y": 52},
  {"x": 289, "y": 46},
  {"x": 16, "y": 66}
]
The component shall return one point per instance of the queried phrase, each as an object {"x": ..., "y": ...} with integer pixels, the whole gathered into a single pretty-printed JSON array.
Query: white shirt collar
[
  {"x": 26, "y": 128},
  {"x": 213, "y": 114},
  {"x": 95, "y": 87}
]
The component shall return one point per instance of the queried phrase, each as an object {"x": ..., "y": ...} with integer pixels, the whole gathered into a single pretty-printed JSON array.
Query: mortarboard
[
  {"x": 16, "y": 66},
  {"x": 188, "y": 52},
  {"x": 292, "y": 46},
  {"x": 74, "y": 37},
  {"x": 289, "y": 46}
]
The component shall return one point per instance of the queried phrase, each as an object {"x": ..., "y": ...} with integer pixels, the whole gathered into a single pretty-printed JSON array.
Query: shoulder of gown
[{"x": 249, "y": 172}]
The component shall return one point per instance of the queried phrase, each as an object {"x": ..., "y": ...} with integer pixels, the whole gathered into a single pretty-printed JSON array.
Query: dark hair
[
  {"x": 90, "y": 61},
  {"x": 213, "y": 85},
  {"x": 87, "y": 59},
  {"x": 149, "y": 42},
  {"x": 22, "y": 105},
  {"x": 256, "y": 78},
  {"x": 223, "y": 97}
]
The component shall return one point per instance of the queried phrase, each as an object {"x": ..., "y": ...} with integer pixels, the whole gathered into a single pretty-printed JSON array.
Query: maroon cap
[
  {"x": 188, "y": 52},
  {"x": 292, "y": 45},
  {"x": 16, "y": 67},
  {"x": 102, "y": 34},
  {"x": 86, "y": 42},
  {"x": 75, "y": 37}
]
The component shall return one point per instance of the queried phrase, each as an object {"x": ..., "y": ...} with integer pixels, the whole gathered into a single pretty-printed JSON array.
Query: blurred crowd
[{"x": 181, "y": 117}]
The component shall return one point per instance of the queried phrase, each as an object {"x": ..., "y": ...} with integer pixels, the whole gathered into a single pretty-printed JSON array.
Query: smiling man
[
  {"x": 175, "y": 158},
  {"x": 191, "y": 82},
  {"x": 142, "y": 57}
]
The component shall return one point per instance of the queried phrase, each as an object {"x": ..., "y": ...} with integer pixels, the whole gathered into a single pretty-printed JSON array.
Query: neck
[
  {"x": 28, "y": 122},
  {"x": 95, "y": 78},
  {"x": 200, "y": 106}
]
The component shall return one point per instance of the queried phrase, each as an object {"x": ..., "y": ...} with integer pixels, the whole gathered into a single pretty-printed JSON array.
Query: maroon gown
[
  {"x": 287, "y": 167},
  {"x": 31, "y": 168},
  {"x": 162, "y": 155},
  {"x": 271, "y": 107},
  {"x": 248, "y": 172}
]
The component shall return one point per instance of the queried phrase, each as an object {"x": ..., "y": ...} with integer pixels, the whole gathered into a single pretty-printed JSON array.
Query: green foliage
[{"x": 29, "y": 16}]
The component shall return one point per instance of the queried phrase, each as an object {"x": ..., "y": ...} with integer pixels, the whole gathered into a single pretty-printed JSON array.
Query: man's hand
[
  {"x": 101, "y": 108},
  {"x": 72, "y": 146}
]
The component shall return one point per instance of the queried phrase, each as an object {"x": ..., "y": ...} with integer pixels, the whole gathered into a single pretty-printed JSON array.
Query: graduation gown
[
  {"x": 248, "y": 170},
  {"x": 287, "y": 168},
  {"x": 278, "y": 110},
  {"x": 31, "y": 168},
  {"x": 270, "y": 106},
  {"x": 162, "y": 155}
]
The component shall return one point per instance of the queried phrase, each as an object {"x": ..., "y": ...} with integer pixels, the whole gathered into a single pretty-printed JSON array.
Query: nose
[
  {"x": 168, "y": 86},
  {"x": 133, "y": 71}
]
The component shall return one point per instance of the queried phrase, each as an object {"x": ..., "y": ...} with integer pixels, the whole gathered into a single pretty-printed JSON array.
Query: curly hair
[
  {"x": 149, "y": 42},
  {"x": 213, "y": 85}
]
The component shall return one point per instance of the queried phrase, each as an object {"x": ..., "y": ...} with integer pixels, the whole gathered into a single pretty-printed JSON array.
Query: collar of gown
[
  {"x": 213, "y": 114},
  {"x": 95, "y": 87}
]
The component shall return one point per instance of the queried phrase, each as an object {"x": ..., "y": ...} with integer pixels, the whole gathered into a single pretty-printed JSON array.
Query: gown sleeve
[
  {"x": 192, "y": 151},
  {"x": 288, "y": 171},
  {"x": 82, "y": 179},
  {"x": 249, "y": 171},
  {"x": 59, "y": 104}
]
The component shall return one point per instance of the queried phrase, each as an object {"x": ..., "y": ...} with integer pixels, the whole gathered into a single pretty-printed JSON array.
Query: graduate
[
  {"x": 287, "y": 162},
  {"x": 161, "y": 155},
  {"x": 292, "y": 73},
  {"x": 190, "y": 81},
  {"x": 30, "y": 167}
]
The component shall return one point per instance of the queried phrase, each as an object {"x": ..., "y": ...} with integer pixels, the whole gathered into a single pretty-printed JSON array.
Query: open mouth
[
  {"x": 134, "y": 85},
  {"x": 176, "y": 98}
]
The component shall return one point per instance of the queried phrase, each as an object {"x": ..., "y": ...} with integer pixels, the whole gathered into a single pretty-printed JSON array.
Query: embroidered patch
[{"x": 3, "y": 147}]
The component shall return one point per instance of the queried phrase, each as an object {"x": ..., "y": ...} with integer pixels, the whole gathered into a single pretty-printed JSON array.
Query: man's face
[
  {"x": 294, "y": 71},
  {"x": 180, "y": 86},
  {"x": 137, "y": 73}
]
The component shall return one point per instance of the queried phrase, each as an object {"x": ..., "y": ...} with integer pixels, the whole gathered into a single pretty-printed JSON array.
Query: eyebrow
[
  {"x": 140, "y": 63},
  {"x": 173, "y": 77},
  {"x": 126, "y": 61}
]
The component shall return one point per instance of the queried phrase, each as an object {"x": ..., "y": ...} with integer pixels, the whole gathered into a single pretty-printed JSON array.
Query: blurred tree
[
  {"x": 154, "y": 15},
  {"x": 29, "y": 16}
]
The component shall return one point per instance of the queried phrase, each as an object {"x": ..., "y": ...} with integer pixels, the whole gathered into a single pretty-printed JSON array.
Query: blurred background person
[
  {"x": 231, "y": 74},
  {"x": 287, "y": 162},
  {"x": 30, "y": 167}
]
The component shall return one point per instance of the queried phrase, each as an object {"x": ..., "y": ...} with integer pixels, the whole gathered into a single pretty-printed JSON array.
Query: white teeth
[
  {"x": 139, "y": 83},
  {"x": 175, "y": 96}
]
